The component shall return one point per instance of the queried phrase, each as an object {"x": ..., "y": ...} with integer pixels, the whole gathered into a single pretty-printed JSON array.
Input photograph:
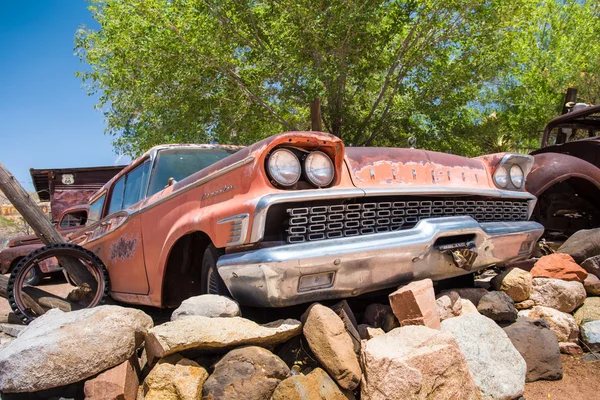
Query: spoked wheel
[{"x": 28, "y": 302}]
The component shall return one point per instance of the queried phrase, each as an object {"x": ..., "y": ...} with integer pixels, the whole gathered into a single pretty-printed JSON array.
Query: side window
[
  {"x": 73, "y": 219},
  {"x": 136, "y": 185},
  {"x": 116, "y": 197},
  {"x": 96, "y": 210}
]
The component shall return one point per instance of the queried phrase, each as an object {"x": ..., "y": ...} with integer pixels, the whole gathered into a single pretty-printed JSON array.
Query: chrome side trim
[
  {"x": 239, "y": 228},
  {"x": 263, "y": 205}
]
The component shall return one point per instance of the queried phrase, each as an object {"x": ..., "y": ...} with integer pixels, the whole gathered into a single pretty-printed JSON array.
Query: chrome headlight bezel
[
  {"x": 275, "y": 172},
  {"x": 312, "y": 174},
  {"x": 508, "y": 163}
]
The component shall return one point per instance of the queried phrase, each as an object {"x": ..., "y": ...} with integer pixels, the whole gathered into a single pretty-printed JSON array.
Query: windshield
[{"x": 181, "y": 163}]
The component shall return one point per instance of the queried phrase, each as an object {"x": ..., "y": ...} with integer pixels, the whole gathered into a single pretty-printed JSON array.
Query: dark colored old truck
[{"x": 566, "y": 172}]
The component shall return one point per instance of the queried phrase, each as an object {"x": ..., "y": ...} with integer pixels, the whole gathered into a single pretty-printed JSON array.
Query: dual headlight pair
[
  {"x": 285, "y": 168},
  {"x": 512, "y": 171}
]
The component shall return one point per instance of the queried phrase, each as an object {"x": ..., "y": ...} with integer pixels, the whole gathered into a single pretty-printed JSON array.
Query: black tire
[
  {"x": 211, "y": 280},
  {"x": 17, "y": 276},
  {"x": 34, "y": 277}
]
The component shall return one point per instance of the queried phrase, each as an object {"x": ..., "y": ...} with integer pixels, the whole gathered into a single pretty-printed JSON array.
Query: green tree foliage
[{"x": 456, "y": 74}]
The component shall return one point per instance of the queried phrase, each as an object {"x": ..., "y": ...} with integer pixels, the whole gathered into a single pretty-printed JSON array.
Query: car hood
[{"x": 380, "y": 167}]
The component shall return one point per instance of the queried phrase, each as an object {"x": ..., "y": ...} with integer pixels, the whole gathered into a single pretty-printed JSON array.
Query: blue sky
[{"x": 46, "y": 119}]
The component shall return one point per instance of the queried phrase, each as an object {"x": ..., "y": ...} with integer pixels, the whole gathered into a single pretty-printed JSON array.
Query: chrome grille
[{"x": 321, "y": 222}]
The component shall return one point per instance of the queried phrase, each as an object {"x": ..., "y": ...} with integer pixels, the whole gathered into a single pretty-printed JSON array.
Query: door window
[
  {"x": 136, "y": 185},
  {"x": 76, "y": 218},
  {"x": 96, "y": 210},
  {"x": 116, "y": 198}
]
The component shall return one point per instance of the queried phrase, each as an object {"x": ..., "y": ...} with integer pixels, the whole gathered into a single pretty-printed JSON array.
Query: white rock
[
  {"x": 449, "y": 305},
  {"x": 207, "y": 305},
  {"x": 495, "y": 364},
  {"x": 563, "y": 324},
  {"x": 467, "y": 307},
  {"x": 61, "y": 348},
  {"x": 561, "y": 295},
  {"x": 590, "y": 335},
  {"x": 415, "y": 362}
]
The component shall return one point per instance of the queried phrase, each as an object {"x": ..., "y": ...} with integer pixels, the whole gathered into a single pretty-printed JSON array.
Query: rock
[
  {"x": 118, "y": 383},
  {"x": 207, "y": 305},
  {"x": 342, "y": 309},
  {"x": 60, "y": 348},
  {"x": 467, "y": 307},
  {"x": 471, "y": 294},
  {"x": 524, "y": 305},
  {"x": 448, "y": 305},
  {"x": 592, "y": 285},
  {"x": 415, "y": 362},
  {"x": 539, "y": 347},
  {"x": 175, "y": 377},
  {"x": 5, "y": 340},
  {"x": 514, "y": 282},
  {"x": 570, "y": 348},
  {"x": 497, "y": 306},
  {"x": 582, "y": 244},
  {"x": 246, "y": 373},
  {"x": 592, "y": 265},
  {"x": 558, "y": 294},
  {"x": 563, "y": 324},
  {"x": 367, "y": 332},
  {"x": 204, "y": 333},
  {"x": 590, "y": 335},
  {"x": 375, "y": 314},
  {"x": 589, "y": 310},
  {"x": 327, "y": 337},
  {"x": 317, "y": 385},
  {"x": 490, "y": 355},
  {"x": 12, "y": 329},
  {"x": 558, "y": 266},
  {"x": 389, "y": 322},
  {"x": 414, "y": 304}
]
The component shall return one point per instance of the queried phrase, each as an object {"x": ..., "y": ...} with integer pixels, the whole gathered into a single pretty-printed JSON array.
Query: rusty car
[
  {"x": 566, "y": 172},
  {"x": 71, "y": 220},
  {"x": 300, "y": 217}
]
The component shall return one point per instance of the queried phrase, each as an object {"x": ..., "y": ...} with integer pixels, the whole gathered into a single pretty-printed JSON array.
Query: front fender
[{"x": 552, "y": 168}]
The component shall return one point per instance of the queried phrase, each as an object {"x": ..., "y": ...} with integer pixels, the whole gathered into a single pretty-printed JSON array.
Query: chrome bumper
[{"x": 270, "y": 277}]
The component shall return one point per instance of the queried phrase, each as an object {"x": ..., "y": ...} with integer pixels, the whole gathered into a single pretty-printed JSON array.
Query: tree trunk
[
  {"x": 315, "y": 115},
  {"x": 30, "y": 211}
]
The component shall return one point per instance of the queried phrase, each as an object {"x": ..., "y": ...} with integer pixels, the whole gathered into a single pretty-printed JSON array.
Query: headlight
[
  {"x": 501, "y": 177},
  {"x": 517, "y": 176},
  {"x": 319, "y": 169},
  {"x": 284, "y": 167}
]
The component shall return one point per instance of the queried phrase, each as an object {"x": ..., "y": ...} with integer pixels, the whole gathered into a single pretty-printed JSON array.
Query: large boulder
[
  {"x": 590, "y": 335},
  {"x": 245, "y": 373},
  {"x": 119, "y": 383},
  {"x": 471, "y": 294},
  {"x": 448, "y": 305},
  {"x": 414, "y": 304},
  {"x": 558, "y": 266},
  {"x": 582, "y": 244},
  {"x": 539, "y": 347},
  {"x": 592, "y": 285},
  {"x": 175, "y": 377},
  {"x": 590, "y": 310},
  {"x": 317, "y": 385},
  {"x": 514, "y": 282},
  {"x": 497, "y": 367},
  {"x": 330, "y": 342},
  {"x": 207, "y": 305},
  {"x": 415, "y": 362},
  {"x": 60, "y": 348},
  {"x": 498, "y": 306},
  {"x": 558, "y": 294},
  {"x": 562, "y": 324},
  {"x": 592, "y": 265},
  {"x": 204, "y": 333}
]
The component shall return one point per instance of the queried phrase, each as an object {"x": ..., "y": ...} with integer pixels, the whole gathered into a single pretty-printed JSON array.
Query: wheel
[
  {"x": 21, "y": 293},
  {"x": 34, "y": 276},
  {"x": 211, "y": 280}
]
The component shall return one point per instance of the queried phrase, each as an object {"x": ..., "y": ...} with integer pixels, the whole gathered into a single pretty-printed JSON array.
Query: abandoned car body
[
  {"x": 298, "y": 217},
  {"x": 566, "y": 173}
]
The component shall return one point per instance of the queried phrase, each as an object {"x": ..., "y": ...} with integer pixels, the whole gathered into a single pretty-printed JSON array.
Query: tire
[
  {"x": 211, "y": 280},
  {"x": 17, "y": 276},
  {"x": 34, "y": 277}
]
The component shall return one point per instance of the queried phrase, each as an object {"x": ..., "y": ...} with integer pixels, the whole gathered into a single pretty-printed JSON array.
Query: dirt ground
[{"x": 55, "y": 284}]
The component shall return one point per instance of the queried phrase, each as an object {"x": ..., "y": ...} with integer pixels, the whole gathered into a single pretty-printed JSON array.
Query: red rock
[
  {"x": 118, "y": 383},
  {"x": 414, "y": 304},
  {"x": 558, "y": 266}
]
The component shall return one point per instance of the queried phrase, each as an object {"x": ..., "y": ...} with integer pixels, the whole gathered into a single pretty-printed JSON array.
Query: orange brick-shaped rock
[
  {"x": 118, "y": 383},
  {"x": 414, "y": 304}
]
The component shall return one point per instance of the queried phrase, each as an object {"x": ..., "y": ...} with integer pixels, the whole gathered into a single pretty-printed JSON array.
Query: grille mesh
[{"x": 333, "y": 221}]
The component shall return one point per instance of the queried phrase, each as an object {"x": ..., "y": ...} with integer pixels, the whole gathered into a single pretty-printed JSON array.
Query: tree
[{"x": 237, "y": 71}]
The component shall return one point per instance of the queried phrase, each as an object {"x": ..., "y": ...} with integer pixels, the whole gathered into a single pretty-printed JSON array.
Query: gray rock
[
  {"x": 207, "y": 305},
  {"x": 245, "y": 373},
  {"x": 538, "y": 345},
  {"x": 582, "y": 244},
  {"x": 592, "y": 285},
  {"x": 61, "y": 348},
  {"x": 590, "y": 335},
  {"x": 561, "y": 295},
  {"x": 498, "y": 369},
  {"x": 498, "y": 306},
  {"x": 592, "y": 265},
  {"x": 471, "y": 294},
  {"x": 12, "y": 329}
]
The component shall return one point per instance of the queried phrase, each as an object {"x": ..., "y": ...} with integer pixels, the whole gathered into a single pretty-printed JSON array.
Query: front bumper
[{"x": 270, "y": 277}]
